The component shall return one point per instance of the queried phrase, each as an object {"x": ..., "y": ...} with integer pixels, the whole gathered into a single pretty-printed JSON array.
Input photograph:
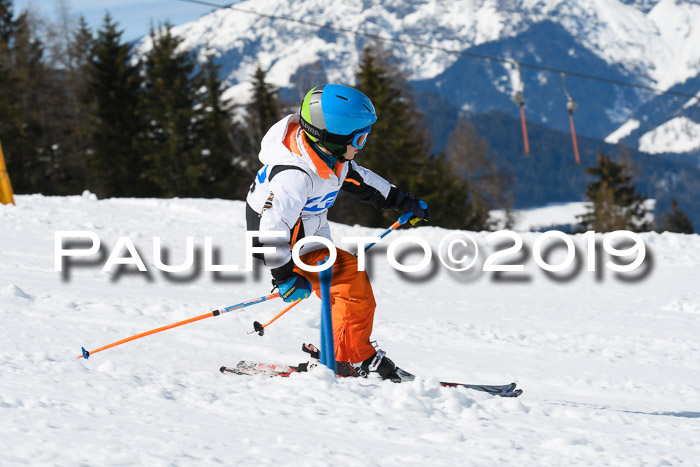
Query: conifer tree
[
  {"x": 6, "y": 22},
  {"x": 22, "y": 107},
  {"x": 220, "y": 140},
  {"x": 397, "y": 146},
  {"x": 6, "y": 81},
  {"x": 172, "y": 107},
  {"x": 81, "y": 48},
  {"x": 468, "y": 155},
  {"x": 676, "y": 220},
  {"x": 35, "y": 112},
  {"x": 114, "y": 83},
  {"x": 450, "y": 201},
  {"x": 263, "y": 110},
  {"x": 616, "y": 205},
  {"x": 80, "y": 102},
  {"x": 66, "y": 120}
]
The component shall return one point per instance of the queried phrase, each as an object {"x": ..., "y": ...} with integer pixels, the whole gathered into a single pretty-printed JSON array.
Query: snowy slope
[
  {"x": 666, "y": 124},
  {"x": 553, "y": 216},
  {"x": 610, "y": 367},
  {"x": 676, "y": 135},
  {"x": 543, "y": 217},
  {"x": 625, "y": 129}
]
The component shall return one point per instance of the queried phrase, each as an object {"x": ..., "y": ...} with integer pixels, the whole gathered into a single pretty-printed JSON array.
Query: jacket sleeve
[
  {"x": 289, "y": 191},
  {"x": 369, "y": 187}
]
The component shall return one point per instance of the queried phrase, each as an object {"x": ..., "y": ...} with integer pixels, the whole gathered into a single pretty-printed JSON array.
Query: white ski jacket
[{"x": 295, "y": 187}]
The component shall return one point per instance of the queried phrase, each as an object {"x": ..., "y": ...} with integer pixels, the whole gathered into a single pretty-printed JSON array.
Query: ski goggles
[{"x": 359, "y": 138}]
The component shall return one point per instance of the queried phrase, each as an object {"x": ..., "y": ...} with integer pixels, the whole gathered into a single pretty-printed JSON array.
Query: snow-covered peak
[
  {"x": 676, "y": 56},
  {"x": 654, "y": 38},
  {"x": 640, "y": 41}
]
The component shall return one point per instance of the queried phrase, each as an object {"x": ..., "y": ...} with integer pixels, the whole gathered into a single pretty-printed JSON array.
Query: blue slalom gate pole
[{"x": 327, "y": 344}]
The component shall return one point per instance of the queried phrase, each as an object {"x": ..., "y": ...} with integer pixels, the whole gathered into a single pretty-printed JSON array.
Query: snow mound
[{"x": 14, "y": 291}]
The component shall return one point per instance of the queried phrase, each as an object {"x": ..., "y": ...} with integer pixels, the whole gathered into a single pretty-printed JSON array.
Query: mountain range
[{"x": 648, "y": 43}]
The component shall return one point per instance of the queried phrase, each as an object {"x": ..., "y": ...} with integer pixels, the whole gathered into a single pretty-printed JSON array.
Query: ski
[
  {"x": 245, "y": 367},
  {"x": 505, "y": 390}
]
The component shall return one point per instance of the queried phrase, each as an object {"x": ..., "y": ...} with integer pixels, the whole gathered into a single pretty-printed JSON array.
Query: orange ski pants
[{"x": 352, "y": 304}]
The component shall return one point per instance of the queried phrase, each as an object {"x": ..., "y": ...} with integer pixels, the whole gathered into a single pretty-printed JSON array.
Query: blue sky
[{"x": 133, "y": 16}]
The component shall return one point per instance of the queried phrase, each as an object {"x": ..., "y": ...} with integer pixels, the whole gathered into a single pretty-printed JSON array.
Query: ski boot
[
  {"x": 378, "y": 363},
  {"x": 315, "y": 359},
  {"x": 386, "y": 368}
]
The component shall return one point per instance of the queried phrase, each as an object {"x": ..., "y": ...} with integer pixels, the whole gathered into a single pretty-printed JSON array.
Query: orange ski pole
[{"x": 86, "y": 354}]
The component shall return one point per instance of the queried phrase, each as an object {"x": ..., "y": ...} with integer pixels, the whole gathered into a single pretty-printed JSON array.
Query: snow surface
[
  {"x": 677, "y": 135},
  {"x": 610, "y": 367}
]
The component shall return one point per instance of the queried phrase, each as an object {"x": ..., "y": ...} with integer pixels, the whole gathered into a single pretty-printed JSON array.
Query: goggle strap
[{"x": 323, "y": 136}]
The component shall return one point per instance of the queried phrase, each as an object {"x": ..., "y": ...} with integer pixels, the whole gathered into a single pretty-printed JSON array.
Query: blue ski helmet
[{"x": 336, "y": 114}]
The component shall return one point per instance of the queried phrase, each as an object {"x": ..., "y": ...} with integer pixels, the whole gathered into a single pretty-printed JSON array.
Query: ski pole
[
  {"x": 86, "y": 354},
  {"x": 260, "y": 328}
]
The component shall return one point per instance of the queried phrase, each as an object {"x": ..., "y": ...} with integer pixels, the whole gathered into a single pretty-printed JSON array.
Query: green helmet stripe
[
  {"x": 305, "y": 114},
  {"x": 312, "y": 110}
]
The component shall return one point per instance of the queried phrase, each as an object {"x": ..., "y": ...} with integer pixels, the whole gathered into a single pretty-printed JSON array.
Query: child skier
[{"x": 307, "y": 158}]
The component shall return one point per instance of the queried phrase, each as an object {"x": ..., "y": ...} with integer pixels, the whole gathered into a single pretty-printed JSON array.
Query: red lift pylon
[
  {"x": 571, "y": 106},
  {"x": 517, "y": 97}
]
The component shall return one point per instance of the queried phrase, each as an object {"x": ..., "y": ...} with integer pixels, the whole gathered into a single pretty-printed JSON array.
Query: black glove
[{"x": 407, "y": 202}]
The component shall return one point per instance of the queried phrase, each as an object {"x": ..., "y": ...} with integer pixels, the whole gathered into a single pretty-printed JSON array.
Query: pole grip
[{"x": 327, "y": 343}]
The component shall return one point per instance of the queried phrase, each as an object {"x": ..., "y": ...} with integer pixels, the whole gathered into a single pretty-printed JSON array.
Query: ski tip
[
  {"x": 515, "y": 393},
  {"x": 86, "y": 354}
]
